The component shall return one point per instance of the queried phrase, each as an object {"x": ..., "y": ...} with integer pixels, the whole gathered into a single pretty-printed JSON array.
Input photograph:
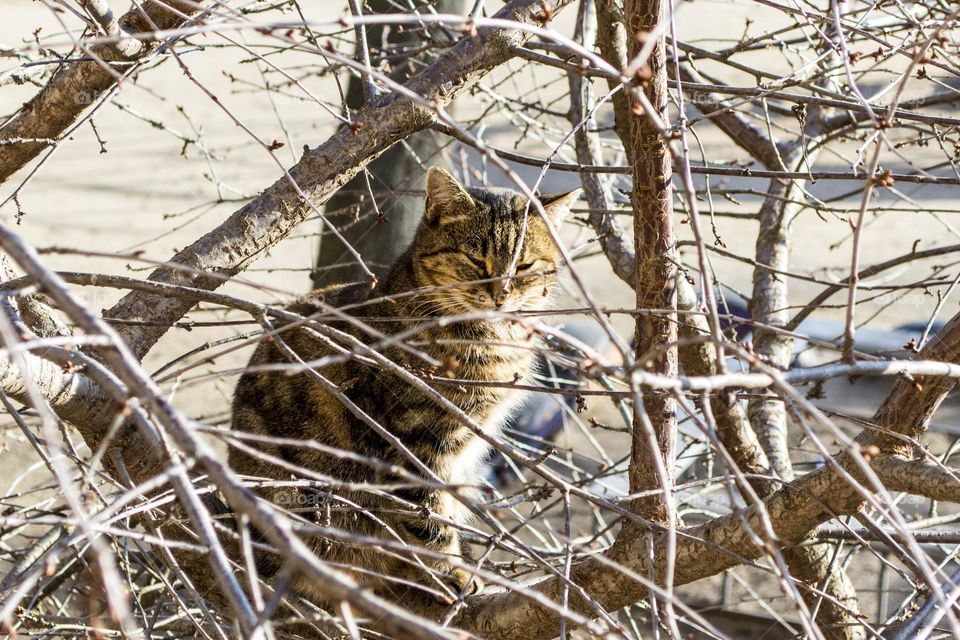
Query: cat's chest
[{"x": 489, "y": 358}]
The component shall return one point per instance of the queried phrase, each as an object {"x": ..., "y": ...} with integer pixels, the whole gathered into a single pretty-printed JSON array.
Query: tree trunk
[
  {"x": 381, "y": 239},
  {"x": 656, "y": 335}
]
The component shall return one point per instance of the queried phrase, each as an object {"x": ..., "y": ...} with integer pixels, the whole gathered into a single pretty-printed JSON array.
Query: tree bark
[
  {"x": 612, "y": 41},
  {"x": 652, "y": 200}
]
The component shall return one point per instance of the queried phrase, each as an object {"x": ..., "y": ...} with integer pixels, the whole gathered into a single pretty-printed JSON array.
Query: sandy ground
[{"x": 151, "y": 193}]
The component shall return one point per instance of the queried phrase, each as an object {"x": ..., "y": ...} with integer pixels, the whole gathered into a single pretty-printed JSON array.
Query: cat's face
[{"x": 467, "y": 241}]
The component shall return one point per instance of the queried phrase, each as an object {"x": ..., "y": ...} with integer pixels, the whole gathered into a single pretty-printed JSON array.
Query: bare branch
[
  {"x": 321, "y": 171},
  {"x": 76, "y": 86}
]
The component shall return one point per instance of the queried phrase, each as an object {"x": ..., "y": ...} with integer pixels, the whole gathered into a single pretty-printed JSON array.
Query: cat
[{"x": 459, "y": 262}]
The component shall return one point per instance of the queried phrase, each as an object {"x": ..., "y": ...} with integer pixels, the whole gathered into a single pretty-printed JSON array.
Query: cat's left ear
[
  {"x": 558, "y": 205},
  {"x": 446, "y": 198}
]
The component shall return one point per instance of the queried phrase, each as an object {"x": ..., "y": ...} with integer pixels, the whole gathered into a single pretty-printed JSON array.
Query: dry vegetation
[{"x": 750, "y": 451}]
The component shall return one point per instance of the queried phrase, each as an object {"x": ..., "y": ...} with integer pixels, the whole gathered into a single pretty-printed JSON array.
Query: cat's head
[{"x": 467, "y": 241}]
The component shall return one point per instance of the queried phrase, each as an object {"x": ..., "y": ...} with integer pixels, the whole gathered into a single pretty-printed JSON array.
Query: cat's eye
[{"x": 526, "y": 266}]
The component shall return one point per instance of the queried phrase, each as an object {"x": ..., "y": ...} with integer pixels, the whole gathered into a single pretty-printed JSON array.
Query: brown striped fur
[{"x": 466, "y": 236}]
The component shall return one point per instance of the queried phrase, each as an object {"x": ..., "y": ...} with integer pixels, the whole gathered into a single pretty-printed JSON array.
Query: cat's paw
[
  {"x": 464, "y": 579},
  {"x": 456, "y": 580}
]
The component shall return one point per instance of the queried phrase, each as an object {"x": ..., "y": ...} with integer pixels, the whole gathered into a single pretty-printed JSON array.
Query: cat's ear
[
  {"x": 558, "y": 205},
  {"x": 445, "y": 196}
]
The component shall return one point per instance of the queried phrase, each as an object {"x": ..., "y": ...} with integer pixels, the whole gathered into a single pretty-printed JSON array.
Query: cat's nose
[{"x": 500, "y": 298}]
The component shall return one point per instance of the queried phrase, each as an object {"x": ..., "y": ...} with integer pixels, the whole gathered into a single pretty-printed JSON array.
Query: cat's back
[
  {"x": 319, "y": 306},
  {"x": 278, "y": 395}
]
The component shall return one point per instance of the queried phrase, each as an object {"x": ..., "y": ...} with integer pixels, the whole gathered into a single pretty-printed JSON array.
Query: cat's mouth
[
  {"x": 483, "y": 301},
  {"x": 470, "y": 302}
]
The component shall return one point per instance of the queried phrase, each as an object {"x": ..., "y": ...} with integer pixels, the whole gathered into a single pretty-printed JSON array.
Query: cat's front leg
[{"x": 443, "y": 538}]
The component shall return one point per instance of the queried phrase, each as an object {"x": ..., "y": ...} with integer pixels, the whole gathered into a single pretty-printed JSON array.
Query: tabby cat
[{"x": 458, "y": 263}]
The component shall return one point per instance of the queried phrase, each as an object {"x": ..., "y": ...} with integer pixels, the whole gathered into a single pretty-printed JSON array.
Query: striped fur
[{"x": 456, "y": 265}]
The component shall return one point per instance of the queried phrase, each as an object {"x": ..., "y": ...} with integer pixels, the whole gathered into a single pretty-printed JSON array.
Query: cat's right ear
[{"x": 445, "y": 196}]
